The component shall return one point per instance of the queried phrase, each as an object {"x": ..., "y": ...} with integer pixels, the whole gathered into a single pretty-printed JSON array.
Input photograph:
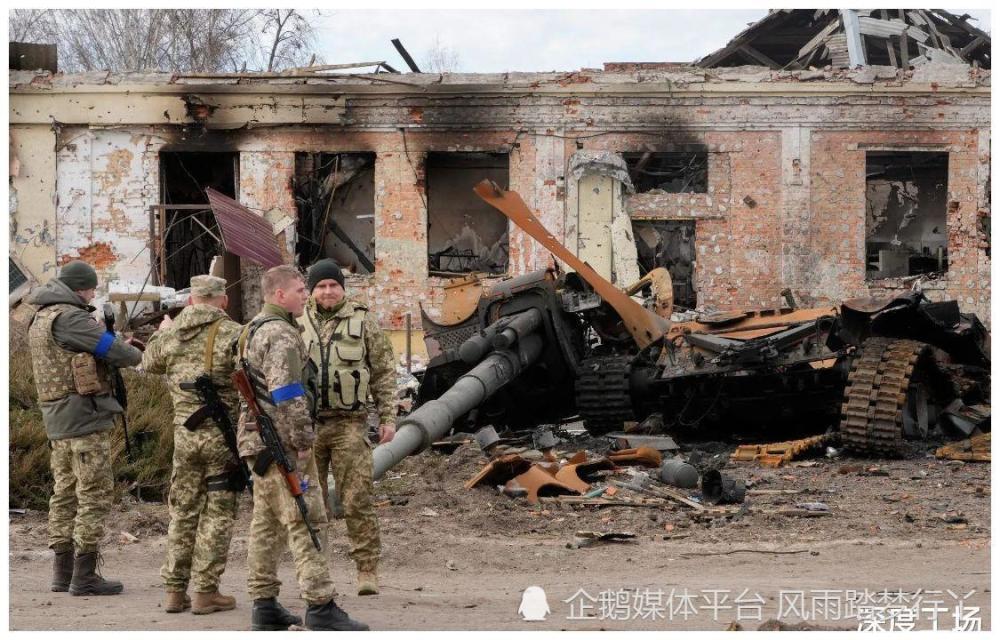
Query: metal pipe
[
  {"x": 478, "y": 345},
  {"x": 434, "y": 418},
  {"x": 409, "y": 350},
  {"x": 517, "y": 325}
]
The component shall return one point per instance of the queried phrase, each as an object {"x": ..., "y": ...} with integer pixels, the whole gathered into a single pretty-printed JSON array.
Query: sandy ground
[{"x": 461, "y": 559}]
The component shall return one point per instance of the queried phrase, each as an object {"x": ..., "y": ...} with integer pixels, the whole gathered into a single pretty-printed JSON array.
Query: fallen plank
[{"x": 661, "y": 492}]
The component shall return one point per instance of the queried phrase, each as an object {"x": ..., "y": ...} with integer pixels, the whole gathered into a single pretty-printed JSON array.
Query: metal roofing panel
[{"x": 244, "y": 233}]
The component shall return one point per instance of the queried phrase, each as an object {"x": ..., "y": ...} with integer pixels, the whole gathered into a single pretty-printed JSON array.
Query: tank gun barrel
[
  {"x": 434, "y": 418},
  {"x": 517, "y": 326}
]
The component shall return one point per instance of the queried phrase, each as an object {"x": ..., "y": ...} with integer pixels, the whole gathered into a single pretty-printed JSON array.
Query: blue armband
[
  {"x": 288, "y": 392},
  {"x": 104, "y": 344}
]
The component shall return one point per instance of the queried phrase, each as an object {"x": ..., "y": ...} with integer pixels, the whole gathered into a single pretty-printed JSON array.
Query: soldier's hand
[
  {"x": 386, "y": 432},
  {"x": 304, "y": 454},
  {"x": 166, "y": 323},
  {"x": 136, "y": 342}
]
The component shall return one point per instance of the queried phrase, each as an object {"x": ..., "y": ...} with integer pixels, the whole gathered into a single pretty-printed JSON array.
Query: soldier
[
  {"x": 70, "y": 351},
  {"x": 354, "y": 360},
  {"x": 277, "y": 360},
  {"x": 203, "y": 489}
]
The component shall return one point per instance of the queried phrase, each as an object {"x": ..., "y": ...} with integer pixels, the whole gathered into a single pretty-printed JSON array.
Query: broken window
[
  {"x": 335, "y": 197},
  {"x": 668, "y": 244},
  {"x": 464, "y": 234},
  {"x": 906, "y": 213},
  {"x": 189, "y": 236},
  {"x": 672, "y": 172}
]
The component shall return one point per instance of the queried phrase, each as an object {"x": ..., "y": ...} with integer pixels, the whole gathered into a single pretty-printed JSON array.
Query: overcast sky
[{"x": 541, "y": 40}]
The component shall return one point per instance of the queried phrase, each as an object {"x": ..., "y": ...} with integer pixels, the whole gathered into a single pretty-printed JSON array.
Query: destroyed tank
[{"x": 547, "y": 346}]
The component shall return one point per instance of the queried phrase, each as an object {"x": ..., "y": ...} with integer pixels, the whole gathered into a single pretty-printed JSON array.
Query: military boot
[
  {"x": 177, "y": 601},
  {"x": 330, "y": 617},
  {"x": 269, "y": 615},
  {"x": 87, "y": 581},
  {"x": 211, "y": 601},
  {"x": 62, "y": 570},
  {"x": 367, "y": 581}
]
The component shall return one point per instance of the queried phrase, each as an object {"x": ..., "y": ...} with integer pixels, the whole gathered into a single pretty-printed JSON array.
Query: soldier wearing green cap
[
  {"x": 70, "y": 351},
  {"x": 203, "y": 501}
]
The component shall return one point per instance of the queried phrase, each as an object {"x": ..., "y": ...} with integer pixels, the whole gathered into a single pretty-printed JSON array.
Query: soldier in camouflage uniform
[
  {"x": 203, "y": 501},
  {"x": 356, "y": 368},
  {"x": 276, "y": 357},
  {"x": 70, "y": 351}
]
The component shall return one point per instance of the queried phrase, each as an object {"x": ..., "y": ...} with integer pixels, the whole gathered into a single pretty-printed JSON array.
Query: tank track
[
  {"x": 872, "y": 410},
  {"x": 602, "y": 394}
]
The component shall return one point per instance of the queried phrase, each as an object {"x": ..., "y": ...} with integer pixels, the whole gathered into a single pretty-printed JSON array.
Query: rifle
[
  {"x": 118, "y": 383},
  {"x": 273, "y": 451},
  {"x": 214, "y": 408}
]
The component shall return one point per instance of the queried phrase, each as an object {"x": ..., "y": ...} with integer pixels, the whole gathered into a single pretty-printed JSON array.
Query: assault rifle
[
  {"x": 273, "y": 451},
  {"x": 215, "y": 409},
  {"x": 118, "y": 383}
]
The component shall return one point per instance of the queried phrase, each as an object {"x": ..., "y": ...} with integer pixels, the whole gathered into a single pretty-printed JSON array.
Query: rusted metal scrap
[
  {"x": 575, "y": 475},
  {"x": 499, "y": 471},
  {"x": 537, "y": 481},
  {"x": 974, "y": 449},
  {"x": 641, "y": 456},
  {"x": 244, "y": 233},
  {"x": 778, "y": 453}
]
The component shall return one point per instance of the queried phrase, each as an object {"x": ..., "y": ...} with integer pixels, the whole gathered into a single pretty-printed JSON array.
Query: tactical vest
[
  {"x": 343, "y": 373},
  {"x": 52, "y": 365}
]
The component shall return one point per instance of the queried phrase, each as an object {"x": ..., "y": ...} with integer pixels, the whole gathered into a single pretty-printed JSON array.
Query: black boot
[
  {"x": 87, "y": 581},
  {"x": 330, "y": 617},
  {"x": 62, "y": 570},
  {"x": 269, "y": 615}
]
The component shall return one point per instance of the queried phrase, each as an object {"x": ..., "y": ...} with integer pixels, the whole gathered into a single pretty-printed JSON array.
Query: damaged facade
[{"x": 743, "y": 181}]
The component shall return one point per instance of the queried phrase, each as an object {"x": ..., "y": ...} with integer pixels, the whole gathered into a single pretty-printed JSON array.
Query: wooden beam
[
  {"x": 819, "y": 37},
  {"x": 759, "y": 57},
  {"x": 904, "y": 44},
  {"x": 855, "y": 46},
  {"x": 888, "y": 41},
  {"x": 967, "y": 49}
]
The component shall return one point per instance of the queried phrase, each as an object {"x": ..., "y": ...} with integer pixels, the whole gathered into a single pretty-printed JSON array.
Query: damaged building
[{"x": 833, "y": 154}]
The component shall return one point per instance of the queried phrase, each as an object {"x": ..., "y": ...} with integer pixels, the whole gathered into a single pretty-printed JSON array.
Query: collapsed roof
[{"x": 803, "y": 38}]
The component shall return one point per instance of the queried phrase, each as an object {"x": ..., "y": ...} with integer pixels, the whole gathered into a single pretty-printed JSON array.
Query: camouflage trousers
[
  {"x": 342, "y": 444},
  {"x": 277, "y": 522},
  {"x": 82, "y": 492},
  {"x": 201, "y": 521}
]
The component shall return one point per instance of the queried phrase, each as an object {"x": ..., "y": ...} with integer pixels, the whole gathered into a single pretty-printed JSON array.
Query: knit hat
[
  {"x": 325, "y": 269},
  {"x": 207, "y": 286},
  {"x": 78, "y": 275}
]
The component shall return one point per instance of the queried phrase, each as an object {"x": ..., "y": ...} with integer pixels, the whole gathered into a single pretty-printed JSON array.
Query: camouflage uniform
[
  {"x": 341, "y": 439},
  {"x": 276, "y": 351},
  {"x": 201, "y": 518},
  {"x": 78, "y": 426}
]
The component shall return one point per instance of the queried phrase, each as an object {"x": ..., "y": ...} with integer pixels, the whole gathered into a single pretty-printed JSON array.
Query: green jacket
[{"x": 76, "y": 330}]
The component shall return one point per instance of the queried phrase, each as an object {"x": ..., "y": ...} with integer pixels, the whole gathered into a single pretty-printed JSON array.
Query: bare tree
[
  {"x": 289, "y": 36},
  {"x": 183, "y": 40},
  {"x": 31, "y": 25},
  {"x": 440, "y": 58}
]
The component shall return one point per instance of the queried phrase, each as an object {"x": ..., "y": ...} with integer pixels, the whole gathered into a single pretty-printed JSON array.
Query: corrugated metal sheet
[
  {"x": 243, "y": 232},
  {"x": 881, "y": 28}
]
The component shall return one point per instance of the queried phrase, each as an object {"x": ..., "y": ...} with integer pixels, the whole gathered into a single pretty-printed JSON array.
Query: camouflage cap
[{"x": 207, "y": 286}]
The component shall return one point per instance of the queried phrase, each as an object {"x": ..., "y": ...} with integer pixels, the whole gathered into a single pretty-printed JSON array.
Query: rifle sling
[{"x": 213, "y": 331}]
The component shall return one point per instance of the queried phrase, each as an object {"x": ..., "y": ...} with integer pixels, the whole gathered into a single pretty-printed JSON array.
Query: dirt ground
[{"x": 901, "y": 535}]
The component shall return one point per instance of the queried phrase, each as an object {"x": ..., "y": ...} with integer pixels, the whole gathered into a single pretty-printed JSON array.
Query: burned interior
[
  {"x": 906, "y": 213},
  {"x": 335, "y": 198},
  {"x": 188, "y": 233},
  {"x": 463, "y": 233},
  {"x": 669, "y": 244},
  {"x": 671, "y": 172}
]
